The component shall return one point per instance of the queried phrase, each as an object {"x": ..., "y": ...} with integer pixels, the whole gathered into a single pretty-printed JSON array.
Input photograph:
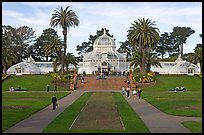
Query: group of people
[
  {"x": 135, "y": 91},
  {"x": 12, "y": 89},
  {"x": 182, "y": 88}
]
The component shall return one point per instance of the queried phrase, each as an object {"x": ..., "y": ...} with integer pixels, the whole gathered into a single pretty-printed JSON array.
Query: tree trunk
[
  {"x": 5, "y": 69},
  {"x": 143, "y": 72},
  {"x": 181, "y": 49},
  {"x": 64, "y": 32}
]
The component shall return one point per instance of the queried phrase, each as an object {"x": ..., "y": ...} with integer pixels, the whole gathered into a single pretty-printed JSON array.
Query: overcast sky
[{"x": 115, "y": 16}]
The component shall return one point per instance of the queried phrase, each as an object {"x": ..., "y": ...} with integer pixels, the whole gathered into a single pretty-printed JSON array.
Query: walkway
[
  {"x": 155, "y": 120},
  {"x": 37, "y": 122}
]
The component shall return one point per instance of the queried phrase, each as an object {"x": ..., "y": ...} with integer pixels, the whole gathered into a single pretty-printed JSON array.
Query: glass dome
[
  {"x": 104, "y": 40},
  {"x": 104, "y": 43}
]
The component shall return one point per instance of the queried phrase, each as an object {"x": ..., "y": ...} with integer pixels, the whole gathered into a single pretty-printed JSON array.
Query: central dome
[
  {"x": 104, "y": 40},
  {"x": 104, "y": 43}
]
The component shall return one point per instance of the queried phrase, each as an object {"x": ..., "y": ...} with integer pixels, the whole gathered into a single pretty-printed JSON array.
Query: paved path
[
  {"x": 37, "y": 122},
  {"x": 155, "y": 120}
]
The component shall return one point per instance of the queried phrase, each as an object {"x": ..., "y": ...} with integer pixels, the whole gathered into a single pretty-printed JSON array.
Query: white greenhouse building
[
  {"x": 178, "y": 67},
  {"x": 103, "y": 58},
  {"x": 29, "y": 66}
]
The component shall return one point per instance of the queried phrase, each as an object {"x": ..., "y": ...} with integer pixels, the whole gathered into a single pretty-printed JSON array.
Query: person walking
[
  {"x": 82, "y": 80},
  {"x": 139, "y": 92},
  {"x": 54, "y": 102},
  {"x": 123, "y": 90},
  {"x": 48, "y": 88},
  {"x": 134, "y": 93},
  {"x": 128, "y": 91}
]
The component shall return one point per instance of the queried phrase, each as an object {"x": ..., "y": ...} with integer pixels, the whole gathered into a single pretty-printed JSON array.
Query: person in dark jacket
[
  {"x": 139, "y": 92},
  {"x": 54, "y": 102}
]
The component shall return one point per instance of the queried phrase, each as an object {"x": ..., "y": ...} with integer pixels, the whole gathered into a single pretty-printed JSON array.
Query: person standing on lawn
[{"x": 48, "y": 88}]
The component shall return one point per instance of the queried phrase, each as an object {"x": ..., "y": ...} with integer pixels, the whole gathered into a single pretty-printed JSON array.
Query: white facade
[
  {"x": 103, "y": 58},
  {"x": 29, "y": 66},
  {"x": 178, "y": 67}
]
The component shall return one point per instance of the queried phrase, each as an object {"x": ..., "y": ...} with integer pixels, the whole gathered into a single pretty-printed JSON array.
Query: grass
[
  {"x": 30, "y": 82},
  {"x": 187, "y": 103},
  {"x": 176, "y": 103},
  {"x": 99, "y": 113},
  {"x": 194, "y": 126},
  {"x": 131, "y": 120},
  {"x": 17, "y": 106}
]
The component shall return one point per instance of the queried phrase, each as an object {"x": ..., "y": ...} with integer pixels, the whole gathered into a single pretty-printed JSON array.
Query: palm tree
[
  {"x": 53, "y": 46},
  {"x": 152, "y": 60},
  {"x": 68, "y": 59},
  {"x": 143, "y": 35},
  {"x": 64, "y": 18},
  {"x": 135, "y": 60}
]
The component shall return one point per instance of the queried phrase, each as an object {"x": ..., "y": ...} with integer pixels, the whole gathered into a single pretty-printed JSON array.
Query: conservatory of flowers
[{"x": 103, "y": 58}]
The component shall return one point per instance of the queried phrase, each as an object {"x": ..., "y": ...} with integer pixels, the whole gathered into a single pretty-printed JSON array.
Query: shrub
[
  {"x": 149, "y": 77},
  {"x": 60, "y": 77},
  {"x": 5, "y": 76}
]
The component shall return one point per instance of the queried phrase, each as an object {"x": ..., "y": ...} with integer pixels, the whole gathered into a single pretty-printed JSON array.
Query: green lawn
[
  {"x": 187, "y": 103},
  {"x": 194, "y": 126},
  {"x": 30, "y": 82},
  {"x": 132, "y": 123},
  {"x": 17, "y": 106}
]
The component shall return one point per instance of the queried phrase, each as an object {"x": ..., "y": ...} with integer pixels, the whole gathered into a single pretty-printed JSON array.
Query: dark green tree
[{"x": 180, "y": 35}]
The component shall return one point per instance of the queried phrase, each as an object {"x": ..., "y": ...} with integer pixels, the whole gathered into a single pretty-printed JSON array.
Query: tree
[
  {"x": 143, "y": 35},
  {"x": 64, "y": 18},
  {"x": 69, "y": 58},
  {"x": 136, "y": 59},
  {"x": 10, "y": 43},
  {"x": 125, "y": 48},
  {"x": 9, "y": 57},
  {"x": 196, "y": 56},
  {"x": 180, "y": 35},
  {"x": 152, "y": 60},
  {"x": 27, "y": 36},
  {"x": 43, "y": 39},
  {"x": 52, "y": 48},
  {"x": 164, "y": 45}
]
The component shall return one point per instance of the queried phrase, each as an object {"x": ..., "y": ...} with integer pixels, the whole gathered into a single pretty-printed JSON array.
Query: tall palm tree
[
  {"x": 143, "y": 35},
  {"x": 64, "y": 18}
]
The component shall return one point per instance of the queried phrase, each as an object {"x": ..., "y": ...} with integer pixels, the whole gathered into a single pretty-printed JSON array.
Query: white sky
[{"x": 115, "y": 16}]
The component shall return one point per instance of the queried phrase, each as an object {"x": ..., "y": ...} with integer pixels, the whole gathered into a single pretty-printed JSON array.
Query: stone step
[{"x": 110, "y": 83}]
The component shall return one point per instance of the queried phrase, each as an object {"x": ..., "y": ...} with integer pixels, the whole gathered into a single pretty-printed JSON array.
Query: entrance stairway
[{"x": 110, "y": 83}]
